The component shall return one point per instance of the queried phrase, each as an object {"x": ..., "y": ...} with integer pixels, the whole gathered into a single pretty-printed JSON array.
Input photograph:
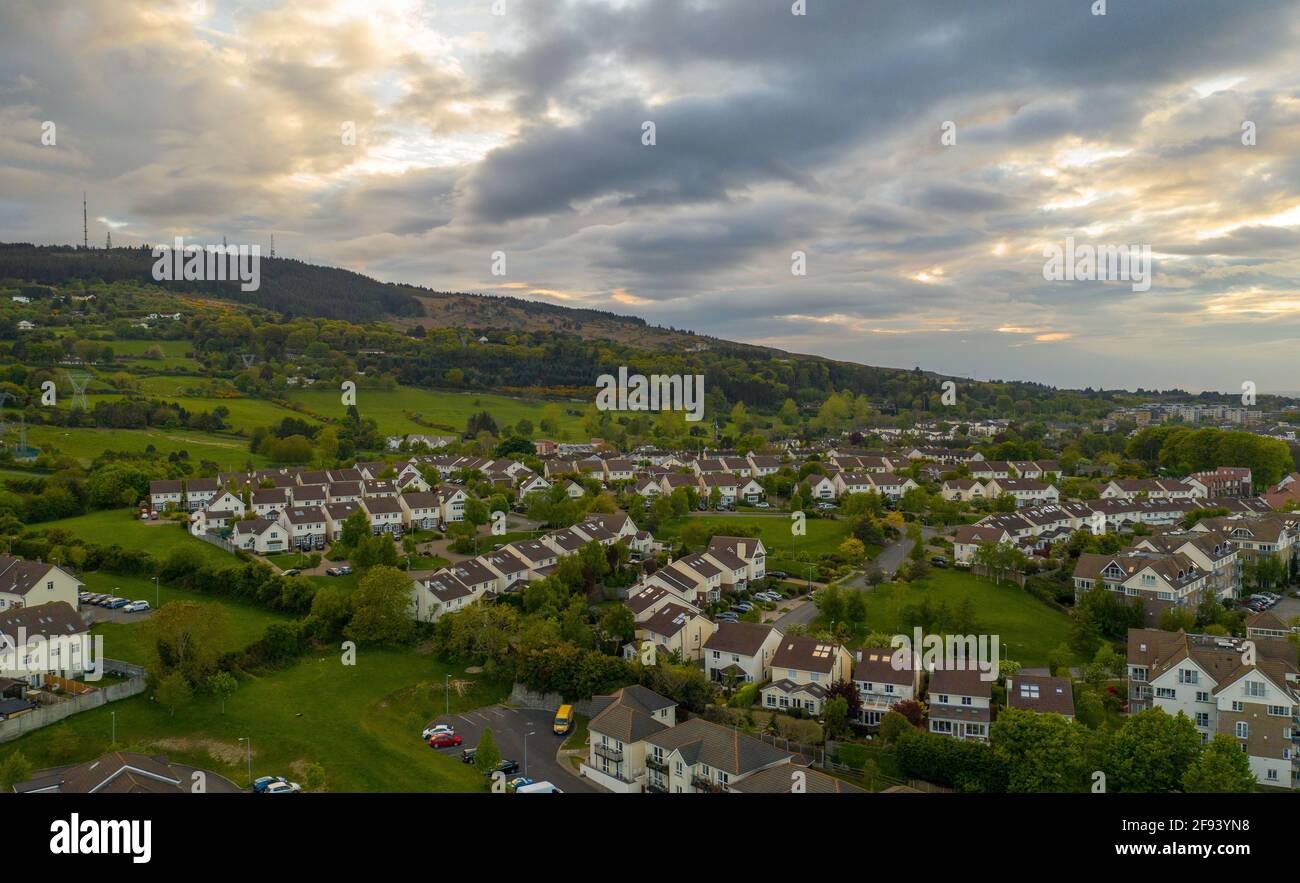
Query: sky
[{"x": 923, "y": 157}]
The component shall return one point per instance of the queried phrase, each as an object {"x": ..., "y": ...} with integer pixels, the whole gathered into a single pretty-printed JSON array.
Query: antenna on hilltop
[
  {"x": 272, "y": 245},
  {"x": 108, "y": 241},
  {"x": 85, "y": 227},
  {"x": 79, "y": 383}
]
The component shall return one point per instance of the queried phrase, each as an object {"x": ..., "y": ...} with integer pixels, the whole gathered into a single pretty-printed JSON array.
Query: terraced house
[
  {"x": 1157, "y": 580},
  {"x": 1224, "y": 686}
]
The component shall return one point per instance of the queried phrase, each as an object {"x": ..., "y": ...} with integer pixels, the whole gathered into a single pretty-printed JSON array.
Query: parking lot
[
  {"x": 508, "y": 727},
  {"x": 1286, "y": 609},
  {"x": 103, "y": 614}
]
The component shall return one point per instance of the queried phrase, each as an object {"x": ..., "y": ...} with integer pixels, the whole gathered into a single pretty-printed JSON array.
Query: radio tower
[
  {"x": 108, "y": 241},
  {"x": 85, "y": 228},
  {"x": 272, "y": 245}
]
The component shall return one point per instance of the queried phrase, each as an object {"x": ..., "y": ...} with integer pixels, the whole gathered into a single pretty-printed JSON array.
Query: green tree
[
  {"x": 1221, "y": 768},
  {"x": 1151, "y": 752},
  {"x": 14, "y": 769},
  {"x": 222, "y": 684},
  {"x": 382, "y": 608},
  {"x": 486, "y": 755},
  {"x": 1042, "y": 752},
  {"x": 173, "y": 692}
]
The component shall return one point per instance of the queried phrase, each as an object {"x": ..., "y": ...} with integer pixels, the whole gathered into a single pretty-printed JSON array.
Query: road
[{"x": 508, "y": 727}]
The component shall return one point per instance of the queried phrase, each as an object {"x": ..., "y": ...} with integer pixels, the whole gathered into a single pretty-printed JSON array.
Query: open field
[
  {"x": 1027, "y": 628},
  {"x": 361, "y": 723},
  {"x": 451, "y": 410},
  {"x": 125, "y": 640},
  {"x": 824, "y": 536},
  {"x": 120, "y": 527},
  {"x": 87, "y": 444}
]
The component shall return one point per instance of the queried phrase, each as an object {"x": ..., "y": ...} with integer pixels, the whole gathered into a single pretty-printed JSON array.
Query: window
[
  {"x": 1202, "y": 718},
  {"x": 1166, "y": 693},
  {"x": 1237, "y": 706},
  {"x": 1186, "y": 676},
  {"x": 943, "y": 698},
  {"x": 1255, "y": 689},
  {"x": 1271, "y": 775},
  {"x": 1243, "y": 730},
  {"x": 966, "y": 700},
  {"x": 1202, "y": 696}
]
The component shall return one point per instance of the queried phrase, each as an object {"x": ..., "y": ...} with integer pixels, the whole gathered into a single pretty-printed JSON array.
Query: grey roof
[
  {"x": 780, "y": 780},
  {"x": 725, "y": 749}
]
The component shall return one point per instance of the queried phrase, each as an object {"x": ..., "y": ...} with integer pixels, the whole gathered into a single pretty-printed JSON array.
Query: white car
[
  {"x": 283, "y": 788},
  {"x": 434, "y": 729},
  {"x": 136, "y": 607}
]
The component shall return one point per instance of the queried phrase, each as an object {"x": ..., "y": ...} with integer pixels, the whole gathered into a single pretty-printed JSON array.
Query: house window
[
  {"x": 1166, "y": 693},
  {"x": 1255, "y": 689},
  {"x": 1202, "y": 696},
  {"x": 966, "y": 700},
  {"x": 1186, "y": 676},
  {"x": 943, "y": 698},
  {"x": 1238, "y": 706},
  {"x": 1243, "y": 730},
  {"x": 1202, "y": 718}
]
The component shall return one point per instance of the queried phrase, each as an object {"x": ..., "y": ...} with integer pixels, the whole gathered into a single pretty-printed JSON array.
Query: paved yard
[
  {"x": 508, "y": 727},
  {"x": 1286, "y": 609}
]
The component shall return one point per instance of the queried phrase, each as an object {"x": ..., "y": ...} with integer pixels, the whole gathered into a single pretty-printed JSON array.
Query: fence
[
  {"x": 45, "y": 715},
  {"x": 217, "y": 541},
  {"x": 1008, "y": 576}
]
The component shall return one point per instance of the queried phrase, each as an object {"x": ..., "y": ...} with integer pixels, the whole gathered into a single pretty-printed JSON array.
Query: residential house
[{"x": 741, "y": 652}]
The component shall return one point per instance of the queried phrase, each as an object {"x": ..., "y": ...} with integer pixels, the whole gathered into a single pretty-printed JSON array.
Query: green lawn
[
  {"x": 121, "y": 527},
  {"x": 1027, "y": 628},
  {"x": 823, "y": 535},
  {"x": 227, "y": 451},
  {"x": 361, "y": 723},
  {"x": 125, "y": 640},
  {"x": 449, "y": 410}
]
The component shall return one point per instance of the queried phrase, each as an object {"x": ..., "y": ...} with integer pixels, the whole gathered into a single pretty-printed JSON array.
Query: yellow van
[{"x": 563, "y": 720}]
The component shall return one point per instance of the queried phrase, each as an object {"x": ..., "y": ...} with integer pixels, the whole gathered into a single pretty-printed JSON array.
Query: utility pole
[{"x": 85, "y": 227}]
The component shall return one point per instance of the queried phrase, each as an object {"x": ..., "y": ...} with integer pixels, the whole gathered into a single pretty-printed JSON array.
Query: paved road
[
  {"x": 508, "y": 727},
  {"x": 801, "y": 614}
]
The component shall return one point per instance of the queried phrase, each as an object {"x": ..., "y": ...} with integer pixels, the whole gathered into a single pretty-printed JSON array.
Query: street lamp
[
  {"x": 447, "y": 693},
  {"x": 113, "y": 739},
  {"x": 157, "y": 594},
  {"x": 249, "y": 741},
  {"x": 526, "y": 735}
]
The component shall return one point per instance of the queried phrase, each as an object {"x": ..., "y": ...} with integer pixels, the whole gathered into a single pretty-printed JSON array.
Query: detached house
[
  {"x": 802, "y": 670},
  {"x": 741, "y": 652},
  {"x": 960, "y": 704},
  {"x": 620, "y": 726},
  {"x": 677, "y": 630},
  {"x": 881, "y": 685},
  {"x": 165, "y": 495},
  {"x": 33, "y": 583},
  {"x": 1041, "y": 694},
  {"x": 698, "y": 757}
]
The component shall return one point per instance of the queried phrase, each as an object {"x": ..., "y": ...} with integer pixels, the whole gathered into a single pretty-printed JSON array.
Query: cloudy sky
[{"x": 522, "y": 132}]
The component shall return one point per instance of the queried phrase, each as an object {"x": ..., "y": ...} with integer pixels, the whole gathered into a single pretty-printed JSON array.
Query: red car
[{"x": 444, "y": 740}]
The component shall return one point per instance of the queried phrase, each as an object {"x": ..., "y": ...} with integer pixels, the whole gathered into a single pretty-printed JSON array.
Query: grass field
[
  {"x": 87, "y": 444},
  {"x": 1028, "y": 629},
  {"x": 450, "y": 410},
  {"x": 125, "y": 640},
  {"x": 361, "y": 723},
  {"x": 119, "y": 527},
  {"x": 823, "y": 535}
]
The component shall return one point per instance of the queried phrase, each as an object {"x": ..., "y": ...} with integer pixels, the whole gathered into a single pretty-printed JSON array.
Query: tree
[
  {"x": 1221, "y": 768},
  {"x": 222, "y": 685},
  {"x": 173, "y": 692},
  {"x": 892, "y": 725},
  {"x": 1151, "y": 752},
  {"x": 847, "y": 691},
  {"x": 837, "y": 716},
  {"x": 14, "y": 769},
  {"x": 382, "y": 608},
  {"x": 486, "y": 756},
  {"x": 186, "y": 637},
  {"x": 853, "y": 549},
  {"x": 1042, "y": 752}
]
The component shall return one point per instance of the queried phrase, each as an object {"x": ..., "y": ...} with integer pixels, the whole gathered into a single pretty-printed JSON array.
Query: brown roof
[
  {"x": 743, "y": 638},
  {"x": 18, "y": 577},
  {"x": 780, "y": 779},
  {"x": 877, "y": 667},
  {"x": 1041, "y": 693},
  {"x": 960, "y": 682},
  {"x": 805, "y": 654}
]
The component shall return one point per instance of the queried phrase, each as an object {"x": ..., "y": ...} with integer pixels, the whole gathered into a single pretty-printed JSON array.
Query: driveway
[
  {"x": 1286, "y": 608},
  {"x": 508, "y": 727}
]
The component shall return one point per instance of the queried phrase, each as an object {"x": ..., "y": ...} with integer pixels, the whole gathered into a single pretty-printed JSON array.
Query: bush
[{"x": 745, "y": 697}]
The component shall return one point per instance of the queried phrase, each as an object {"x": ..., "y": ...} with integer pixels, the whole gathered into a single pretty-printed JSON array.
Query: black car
[
  {"x": 939, "y": 561},
  {"x": 777, "y": 574},
  {"x": 509, "y": 767},
  {"x": 467, "y": 755}
]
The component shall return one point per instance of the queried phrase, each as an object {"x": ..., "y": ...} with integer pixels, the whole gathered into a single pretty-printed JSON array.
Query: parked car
[
  {"x": 136, "y": 607},
  {"x": 509, "y": 767},
  {"x": 518, "y": 782},
  {"x": 264, "y": 782},
  {"x": 467, "y": 755},
  {"x": 726, "y": 617},
  {"x": 83, "y": 597},
  {"x": 444, "y": 740},
  {"x": 538, "y": 788},
  {"x": 742, "y": 606},
  {"x": 292, "y": 571},
  {"x": 777, "y": 574},
  {"x": 345, "y": 570},
  {"x": 333, "y": 571},
  {"x": 117, "y": 603},
  {"x": 282, "y": 788},
  {"x": 762, "y": 504},
  {"x": 772, "y": 597},
  {"x": 434, "y": 729},
  {"x": 939, "y": 561}
]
